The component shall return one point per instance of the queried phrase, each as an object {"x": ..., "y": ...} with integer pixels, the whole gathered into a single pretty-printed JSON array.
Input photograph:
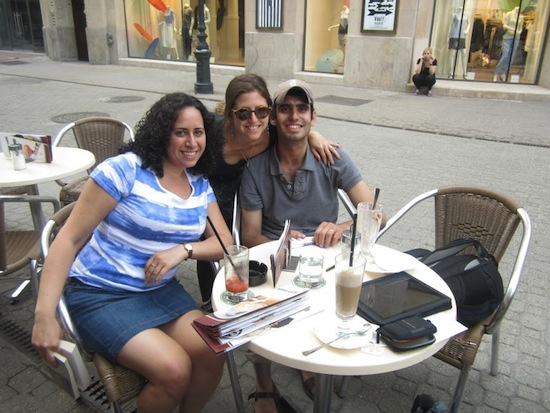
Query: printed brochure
[{"x": 228, "y": 329}]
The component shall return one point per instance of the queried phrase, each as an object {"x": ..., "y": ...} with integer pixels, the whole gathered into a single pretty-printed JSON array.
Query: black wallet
[{"x": 407, "y": 333}]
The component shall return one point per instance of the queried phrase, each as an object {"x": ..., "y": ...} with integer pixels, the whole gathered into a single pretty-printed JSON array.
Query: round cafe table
[
  {"x": 66, "y": 162},
  {"x": 285, "y": 345}
]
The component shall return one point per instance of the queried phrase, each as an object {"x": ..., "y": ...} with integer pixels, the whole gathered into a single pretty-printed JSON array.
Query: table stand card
[
  {"x": 36, "y": 148},
  {"x": 279, "y": 260}
]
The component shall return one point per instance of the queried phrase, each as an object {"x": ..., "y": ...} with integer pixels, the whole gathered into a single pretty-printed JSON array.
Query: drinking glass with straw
[
  {"x": 236, "y": 268},
  {"x": 369, "y": 218},
  {"x": 348, "y": 269}
]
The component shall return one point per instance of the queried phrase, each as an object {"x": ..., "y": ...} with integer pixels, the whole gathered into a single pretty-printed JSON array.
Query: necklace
[
  {"x": 251, "y": 147},
  {"x": 244, "y": 156}
]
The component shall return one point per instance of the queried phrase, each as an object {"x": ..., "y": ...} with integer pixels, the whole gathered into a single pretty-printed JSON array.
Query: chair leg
[
  {"x": 14, "y": 297},
  {"x": 495, "y": 348},
  {"x": 235, "y": 384},
  {"x": 116, "y": 407},
  {"x": 33, "y": 281},
  {"x": 35, "y": 277},
  {"x": 343, "y": 387},
  {"x": 461, "y": 384}
]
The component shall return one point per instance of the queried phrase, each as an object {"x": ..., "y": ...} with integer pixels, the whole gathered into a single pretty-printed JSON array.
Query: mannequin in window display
[
  {"x": 187, "y": 30},
  {"x": 460, "y": 27},
  {"x": 167, "y": 29},
  {"x": 342, "y": 26},
  {"x": 478, "y": 34},
  {"x": 512, "y": 20}
]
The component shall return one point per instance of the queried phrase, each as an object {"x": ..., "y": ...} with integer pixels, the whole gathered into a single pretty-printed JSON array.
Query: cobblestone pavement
[{"x": 403, "y": 144}]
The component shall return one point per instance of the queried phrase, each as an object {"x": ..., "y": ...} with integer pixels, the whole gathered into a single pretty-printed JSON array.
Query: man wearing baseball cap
[{"x": 286, "y": 182}]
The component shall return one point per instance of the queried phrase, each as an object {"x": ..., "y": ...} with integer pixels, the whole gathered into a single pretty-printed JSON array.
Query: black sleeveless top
[{"x": 226, "y": 178}]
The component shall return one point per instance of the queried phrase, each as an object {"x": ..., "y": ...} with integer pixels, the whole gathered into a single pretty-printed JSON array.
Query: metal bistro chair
[
  {"x": 119, "y": 383},
  {"x": 20, "y": 247},
  {"x": 493, "y": 219},
  {"x": 100, "y": 135}
]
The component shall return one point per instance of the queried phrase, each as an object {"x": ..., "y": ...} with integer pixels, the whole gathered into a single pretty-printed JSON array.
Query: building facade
[{"x": 363, "y": 43}]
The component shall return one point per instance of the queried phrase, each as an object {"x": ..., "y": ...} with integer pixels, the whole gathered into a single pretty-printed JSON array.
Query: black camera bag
[{"x": 474, "y": 279}]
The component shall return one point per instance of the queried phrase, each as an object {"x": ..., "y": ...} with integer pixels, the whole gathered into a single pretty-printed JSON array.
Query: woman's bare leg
[
  {"x": 207, "y": 367},
  {"x": 164, "y": 363}
]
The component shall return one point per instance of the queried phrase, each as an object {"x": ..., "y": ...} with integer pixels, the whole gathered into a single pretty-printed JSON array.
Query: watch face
[{"x": 189, "y": 249}]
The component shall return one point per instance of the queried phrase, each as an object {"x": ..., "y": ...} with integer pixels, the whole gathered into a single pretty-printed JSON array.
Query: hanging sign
[{"x": 379, "y": 15}]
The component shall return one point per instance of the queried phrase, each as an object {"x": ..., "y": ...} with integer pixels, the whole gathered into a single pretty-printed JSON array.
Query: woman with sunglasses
[{"x": 245, "y": 134}]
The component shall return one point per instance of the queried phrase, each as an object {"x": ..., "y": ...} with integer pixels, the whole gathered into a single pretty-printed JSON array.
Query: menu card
[
  {"x": 226, "y": 330},
  {"x": 72, "y": 368},
  {"x": 36, "y": 148},
  {"x": 279, "y": 260}
]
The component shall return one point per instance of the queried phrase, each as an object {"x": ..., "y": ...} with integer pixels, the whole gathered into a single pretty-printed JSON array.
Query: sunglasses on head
[{"x": 245, "y": 114}]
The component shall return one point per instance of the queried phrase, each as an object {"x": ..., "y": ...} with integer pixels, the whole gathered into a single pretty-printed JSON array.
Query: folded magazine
[{"x": 228, "y": 329}]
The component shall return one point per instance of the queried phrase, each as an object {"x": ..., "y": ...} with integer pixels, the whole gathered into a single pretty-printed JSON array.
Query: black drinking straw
[
  {"x": 353, "y": 233},
  {"x": 376, "y": 193},
  {"x": 220, "y": 241}
]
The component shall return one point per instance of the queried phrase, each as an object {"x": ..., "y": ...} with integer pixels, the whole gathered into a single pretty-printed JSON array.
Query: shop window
[
  {"x": 489, "y": 40},
  {"x": 325, "y": 37},
  {"x": 167, "y": 29},
  {"x": 21, "y": 25}
]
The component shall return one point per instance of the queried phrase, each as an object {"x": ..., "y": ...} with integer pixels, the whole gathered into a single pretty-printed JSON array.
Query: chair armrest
[
  {"x": 32, "y": 199},
  {"x": 344, "y": 198},
  {"x": 399, "y": 214}
]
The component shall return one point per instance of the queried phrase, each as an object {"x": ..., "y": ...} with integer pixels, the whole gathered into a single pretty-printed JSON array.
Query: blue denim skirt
[{"x": 106, "y": 320}]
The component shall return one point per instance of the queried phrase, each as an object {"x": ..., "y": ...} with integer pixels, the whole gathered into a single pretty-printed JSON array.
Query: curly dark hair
[{"x": 154, "y": 129}]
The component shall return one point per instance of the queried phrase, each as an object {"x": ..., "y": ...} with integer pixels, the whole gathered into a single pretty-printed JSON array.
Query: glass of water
[{"x": 310, "y": 270}]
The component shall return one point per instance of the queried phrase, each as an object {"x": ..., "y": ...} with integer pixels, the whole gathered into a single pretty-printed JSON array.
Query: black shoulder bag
[{"x": 474, "y": 279}]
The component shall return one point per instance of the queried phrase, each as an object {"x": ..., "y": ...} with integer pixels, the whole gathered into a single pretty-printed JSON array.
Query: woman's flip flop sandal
[{"x": 280, "y": 403}]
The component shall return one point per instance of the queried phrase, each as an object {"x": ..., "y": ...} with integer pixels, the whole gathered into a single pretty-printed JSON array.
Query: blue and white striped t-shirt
[{"x": 146, "y": 219}]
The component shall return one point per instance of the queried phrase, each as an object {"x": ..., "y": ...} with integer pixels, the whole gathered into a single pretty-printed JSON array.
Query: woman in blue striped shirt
[{"x": 145, "y": 211}]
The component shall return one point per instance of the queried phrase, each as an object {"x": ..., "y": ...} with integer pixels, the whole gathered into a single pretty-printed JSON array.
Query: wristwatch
[{"x": 189, "y": 249}]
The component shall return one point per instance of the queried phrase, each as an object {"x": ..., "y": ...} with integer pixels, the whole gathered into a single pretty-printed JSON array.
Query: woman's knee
[{"x": 174, "y": 376}]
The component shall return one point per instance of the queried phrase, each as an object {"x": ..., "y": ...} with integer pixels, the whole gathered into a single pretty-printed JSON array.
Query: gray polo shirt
[{"x": 311, "y": 199}]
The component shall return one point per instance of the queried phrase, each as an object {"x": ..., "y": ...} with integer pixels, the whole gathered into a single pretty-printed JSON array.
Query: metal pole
[{"x": 202, "y": 56}]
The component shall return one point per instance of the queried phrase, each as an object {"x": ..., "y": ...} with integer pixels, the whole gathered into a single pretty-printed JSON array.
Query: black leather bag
[{"x": 474, "y": 279}]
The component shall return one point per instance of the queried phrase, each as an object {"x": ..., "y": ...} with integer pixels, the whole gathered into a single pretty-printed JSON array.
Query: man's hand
[{"x": 327, "y": 234}]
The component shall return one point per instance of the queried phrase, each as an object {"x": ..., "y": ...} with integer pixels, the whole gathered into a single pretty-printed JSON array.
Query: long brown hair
[{"x": 246, "y": 83}]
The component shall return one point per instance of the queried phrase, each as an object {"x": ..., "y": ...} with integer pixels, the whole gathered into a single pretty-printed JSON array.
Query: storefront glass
[
  {"x": 167, "y": 29},
  {"x": 326, "y": 30},
  {"x": 21, "y": 25},
  {"x": 489, "y": 40}
]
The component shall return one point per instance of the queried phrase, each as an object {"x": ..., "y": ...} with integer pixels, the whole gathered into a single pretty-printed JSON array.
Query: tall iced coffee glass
[{"x": 349, "y": 278}]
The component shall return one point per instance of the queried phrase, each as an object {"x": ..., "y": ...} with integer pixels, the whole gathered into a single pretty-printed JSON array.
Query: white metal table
[{"x": 285, "y": 345}]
